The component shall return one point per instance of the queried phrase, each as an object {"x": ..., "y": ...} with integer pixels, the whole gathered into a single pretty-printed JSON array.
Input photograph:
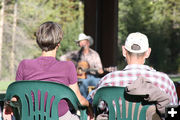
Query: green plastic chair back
[
  {"x": 110, "y": 94},
  {"x": 42, "y": 110}
]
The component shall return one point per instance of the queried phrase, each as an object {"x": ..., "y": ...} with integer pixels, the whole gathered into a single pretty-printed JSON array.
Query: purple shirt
[{"x": 48, "y": 69}]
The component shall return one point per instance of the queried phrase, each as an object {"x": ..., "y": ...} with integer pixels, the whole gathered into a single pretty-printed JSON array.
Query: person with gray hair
[
  {"x": 136, "y": 50},
  {"x": 47, "y": 68}
]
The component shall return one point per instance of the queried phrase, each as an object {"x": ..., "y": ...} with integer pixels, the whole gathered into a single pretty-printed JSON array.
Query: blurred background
[{"x": 19, "y": 19}]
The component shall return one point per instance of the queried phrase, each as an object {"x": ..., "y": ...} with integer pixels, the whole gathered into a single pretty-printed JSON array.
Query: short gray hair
[{"x": 49, "y": 35}]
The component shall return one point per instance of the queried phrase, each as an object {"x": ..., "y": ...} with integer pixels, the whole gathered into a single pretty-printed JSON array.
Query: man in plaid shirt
[{"x": 136, "y": 50}]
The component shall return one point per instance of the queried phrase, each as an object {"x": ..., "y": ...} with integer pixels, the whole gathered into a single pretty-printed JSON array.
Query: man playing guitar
[{"x": 88, "y": 63}]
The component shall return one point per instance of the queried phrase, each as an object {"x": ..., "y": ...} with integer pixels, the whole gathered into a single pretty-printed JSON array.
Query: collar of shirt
[
  {"x": 89, "y": 53},
  {"x": 138, "y": 66}
]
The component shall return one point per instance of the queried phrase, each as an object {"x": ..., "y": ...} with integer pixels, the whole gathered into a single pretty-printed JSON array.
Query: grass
[
  {"x": 175, "y": 79},
  {"x": 4, "y": 84}
]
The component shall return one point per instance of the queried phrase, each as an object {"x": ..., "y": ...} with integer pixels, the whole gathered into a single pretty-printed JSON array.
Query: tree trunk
[
  {"x": 13, "y": 40},
  {"x": 1, "y": 34}
]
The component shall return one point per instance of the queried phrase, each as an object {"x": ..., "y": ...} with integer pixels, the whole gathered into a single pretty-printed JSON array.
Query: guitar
[{"x": 83, "y": 68}]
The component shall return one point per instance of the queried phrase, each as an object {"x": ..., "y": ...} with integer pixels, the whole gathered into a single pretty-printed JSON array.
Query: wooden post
[
  {"x": 90, "y": 20},
  {"x": 101, "y": 22}
]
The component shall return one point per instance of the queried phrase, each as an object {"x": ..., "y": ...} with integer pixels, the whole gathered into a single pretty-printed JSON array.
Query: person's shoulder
[
  {"x": 68, "y": 55},
  {"x": 72, "y": 52},
  {"x": 25, "y": 61},
  {"x": 68, "y": 63},
  {"x": 114, "y": 74},
  {"x": 161, "y": 74},
  {"x": 93, "y": 52}
]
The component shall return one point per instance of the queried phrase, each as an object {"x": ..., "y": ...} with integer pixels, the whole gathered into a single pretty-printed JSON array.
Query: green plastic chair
[
  {"x": 27, "y": 111},
  {"x": 110, "y": 94}
]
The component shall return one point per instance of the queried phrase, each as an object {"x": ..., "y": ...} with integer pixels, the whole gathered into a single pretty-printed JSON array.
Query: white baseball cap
[
  {"x": 139, "y": 39},
  {"x": 83, "y": 36}
]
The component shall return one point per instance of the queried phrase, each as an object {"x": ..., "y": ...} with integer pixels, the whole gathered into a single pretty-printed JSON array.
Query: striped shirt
[{"x": 131, "y": 72}]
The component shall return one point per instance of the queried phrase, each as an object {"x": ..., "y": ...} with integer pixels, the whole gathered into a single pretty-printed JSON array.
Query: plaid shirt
[
  {"x": 132, "y": 72},
  {"x": 92, "y": 58}
]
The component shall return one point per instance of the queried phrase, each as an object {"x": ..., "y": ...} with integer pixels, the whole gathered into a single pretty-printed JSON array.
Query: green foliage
[
  {"x": 4, "y": 85},
  {"x": 68, "y": 13},
  {"x": 70, "y": 35},
  {"x": 159, "y": 20},
  {"x": 39, "y": 11},
  {"x": 32, "y": 13}
]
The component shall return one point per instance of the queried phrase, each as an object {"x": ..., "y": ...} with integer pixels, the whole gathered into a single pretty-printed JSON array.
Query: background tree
[
  {"x": 159, "y": 20},
  {"x": 13, "y": 40},
  {"x": 32, "y": 13},
  {"x": 1, "y": 33}
]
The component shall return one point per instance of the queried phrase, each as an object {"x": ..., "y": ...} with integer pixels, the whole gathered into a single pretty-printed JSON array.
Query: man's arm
[
  {"x": 99, "y": 65},
  {"x": 81, "y": 99},
  {"x": 68, "y": 56},
  {"x": 95, "y": 62}
]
